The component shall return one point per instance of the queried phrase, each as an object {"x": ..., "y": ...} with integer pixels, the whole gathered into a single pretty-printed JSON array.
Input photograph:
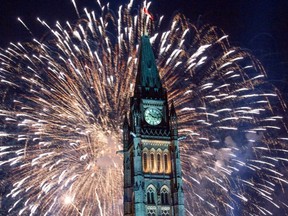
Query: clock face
[{"x": 153, "y": 116}]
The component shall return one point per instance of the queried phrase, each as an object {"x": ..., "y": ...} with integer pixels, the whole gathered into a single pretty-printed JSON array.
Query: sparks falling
[{"x": 63, "y": 102}]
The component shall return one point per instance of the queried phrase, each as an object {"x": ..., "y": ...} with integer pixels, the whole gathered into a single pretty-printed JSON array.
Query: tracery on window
[
  {"x": 151, "y": 212},
  {"x": 151, "y": 195},
  {"x": 164, "y": 196},
  {"x": 165, "y": 212}
]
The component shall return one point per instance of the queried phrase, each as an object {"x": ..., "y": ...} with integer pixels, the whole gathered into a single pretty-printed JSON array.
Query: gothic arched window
[
  {"x": 145, "y": 161},
  {"x": 164, "y": 196},
  {"x": 152, "y": 161},
  {"x": 166, "y": 162},
  {"x": 151, "y": 193},
  {"x": 158, "y": 162}
]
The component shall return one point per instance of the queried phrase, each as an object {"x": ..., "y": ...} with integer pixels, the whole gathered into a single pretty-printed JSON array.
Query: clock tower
[{"x": 152, "y": 167}]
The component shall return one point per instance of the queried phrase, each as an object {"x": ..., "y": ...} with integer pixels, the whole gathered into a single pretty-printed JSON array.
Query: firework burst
[{"x": 63, "y": 101}]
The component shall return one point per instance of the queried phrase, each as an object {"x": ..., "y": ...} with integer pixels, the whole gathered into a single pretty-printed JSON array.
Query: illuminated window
[
  {"x": 145, "y": 161},
  {"x": 158, "y": 162},
  {"x": 152, "y": 161},
  {"x": 166, "y": 162}
]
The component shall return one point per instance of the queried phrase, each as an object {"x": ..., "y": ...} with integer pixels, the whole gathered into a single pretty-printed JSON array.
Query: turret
[
  {"x": 125, "y": 133},
  {"x": 173, "y": 122}
]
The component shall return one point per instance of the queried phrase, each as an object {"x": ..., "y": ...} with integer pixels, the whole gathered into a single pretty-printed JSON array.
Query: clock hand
[
  {"x": 153, "y": 116},
  {"x": 159, "y": 115}
]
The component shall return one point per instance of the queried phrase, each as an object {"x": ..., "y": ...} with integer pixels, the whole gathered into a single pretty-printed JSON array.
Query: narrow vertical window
[
  {"x": 150, "y": 196},
  {"x": 164, "y": 196},
  {"x": 152, "y": 161},
  {"x": 158, "y": 162},
  {"x": 145, "y": 161},
  {"x": 166, "y": 162}
]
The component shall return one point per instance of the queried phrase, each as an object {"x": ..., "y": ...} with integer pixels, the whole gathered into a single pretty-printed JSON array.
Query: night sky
[{"x": 261, "y": 26}]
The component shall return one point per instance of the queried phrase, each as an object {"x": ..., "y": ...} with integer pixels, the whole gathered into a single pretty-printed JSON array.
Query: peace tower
[{"x": 152, "y": 167}]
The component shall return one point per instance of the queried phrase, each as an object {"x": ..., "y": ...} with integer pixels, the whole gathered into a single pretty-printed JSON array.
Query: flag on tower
[{"x": 148, "y": 13}]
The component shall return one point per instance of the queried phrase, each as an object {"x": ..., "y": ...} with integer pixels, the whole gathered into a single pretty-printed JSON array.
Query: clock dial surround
[{"x": 153, "y": 116}]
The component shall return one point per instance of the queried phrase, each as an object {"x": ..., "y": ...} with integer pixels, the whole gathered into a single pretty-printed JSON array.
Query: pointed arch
[
  {"x": 159, "y": 160},
  {"x": 151, "y": 195},
  {"x": 145, "y": 164},
  {"x": 165, "y": 195},
  {"x": 152, "y": 160},
  {"x": 166, "y": 161}
]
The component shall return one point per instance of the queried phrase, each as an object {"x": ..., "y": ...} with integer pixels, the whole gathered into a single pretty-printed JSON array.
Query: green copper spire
[{"x": 147, "y": 74}]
